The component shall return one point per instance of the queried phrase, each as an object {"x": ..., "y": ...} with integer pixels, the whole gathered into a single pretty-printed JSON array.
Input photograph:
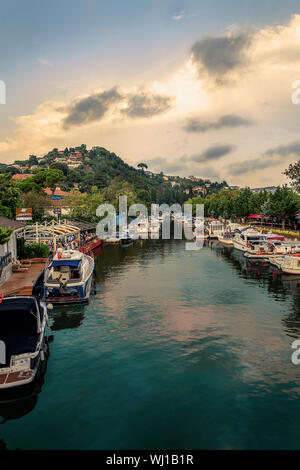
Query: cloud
[
  {"x": 91, "y": 108},
  {"x": 228, "y": 120},
  {"x": 217, "y": 56},
  {"x": 212, "y": 153},
  {"x": 178, "y": 16},
  {"x": 147, "y": 105},
  {"x": 271, "y": 158},
  {"x": 251, "y": 166},
  {"x": 45, "y": 62},
  {"x": 159, "y": 164},
  {"x": 285, "y": 150},
  {"x": 95, "y": 107}
]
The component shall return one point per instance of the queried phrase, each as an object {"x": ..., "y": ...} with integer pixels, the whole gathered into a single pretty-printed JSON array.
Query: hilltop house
[
  {"x": 57, "y": 204},
  {"x": 21, "y": 176}
]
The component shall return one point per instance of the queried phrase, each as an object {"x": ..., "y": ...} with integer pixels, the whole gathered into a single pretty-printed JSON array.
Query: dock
[{"x": 20, "y": 283}]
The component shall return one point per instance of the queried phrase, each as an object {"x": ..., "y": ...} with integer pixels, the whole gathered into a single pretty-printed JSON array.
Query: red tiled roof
[
  {"x": 57, "y": 192},
  {"x": 23, "y": 176}
]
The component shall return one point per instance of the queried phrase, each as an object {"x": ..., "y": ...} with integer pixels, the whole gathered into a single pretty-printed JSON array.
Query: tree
[
  {"x": 83, "y": 205},
  {"x": 5, "y": 234},
  {"x": 265, "y": 211},
  {"x": 48, "y": 178},
  {"x": 32, "y": 160},
  {"x": 142, "y": 166},
  {"x": 293, "y": 173},
  {"x": 54, "y": 177},
  {"x": 38, "y": 202},
  {"x": 284, "y": 203},
  {"x": 10, "y": 196}
]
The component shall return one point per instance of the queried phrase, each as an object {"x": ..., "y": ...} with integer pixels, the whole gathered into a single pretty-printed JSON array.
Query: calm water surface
[{"x": 177, "y": 349}]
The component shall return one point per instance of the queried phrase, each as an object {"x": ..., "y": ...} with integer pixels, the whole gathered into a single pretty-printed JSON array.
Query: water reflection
[
  {"x": 66, "y": 317},
  {"x": 280, "y": 286},
  {"x": 19, "y": 401}
]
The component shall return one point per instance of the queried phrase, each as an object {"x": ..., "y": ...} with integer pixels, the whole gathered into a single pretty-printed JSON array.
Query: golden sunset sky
[{"x": 188, "y": 87}]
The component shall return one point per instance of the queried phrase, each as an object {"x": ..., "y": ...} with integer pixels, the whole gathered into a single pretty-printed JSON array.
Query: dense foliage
[
  {"x": 282, "y": 204},
  {"x": 98, "y": 175},
  {"x": 33, "y": 250}
]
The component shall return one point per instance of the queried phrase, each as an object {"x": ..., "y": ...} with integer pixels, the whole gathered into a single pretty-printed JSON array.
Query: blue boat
[{"x": 67, "y": 278}]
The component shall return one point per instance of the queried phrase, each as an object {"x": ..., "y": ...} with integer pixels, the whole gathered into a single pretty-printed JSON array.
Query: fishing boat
[
  {"x": 22, "y": 339},
  {"x": 291, "y": 264},
  {"x": 67, "y": 277}
]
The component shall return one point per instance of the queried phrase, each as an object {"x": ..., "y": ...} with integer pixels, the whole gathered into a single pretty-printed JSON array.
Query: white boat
[
  {"x": 246, "y": 238},
  {"x": 277, "y": 261},
  {"x": 22, "y": 339},
  {"x": 68, "y": 277},
  {"x": 227, "y": 238},
  {"x": 286, "y": 248},
  {"x": 291, "y": 264},
  {"x": 215, "y": 229}
]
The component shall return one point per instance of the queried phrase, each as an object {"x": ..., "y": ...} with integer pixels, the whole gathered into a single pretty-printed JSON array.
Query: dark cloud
[
  {"x": 272, "y": 157},
  {"x": 92, "y": 108},
  {"x": 212, "y": 153},
  {"x": 216, "y": 56},
  {"x": 285, "y": 150},
  {"x": 251, "y": 165},
  {"x": 159, "y": 164},
  {"x": 147, "y": 105},
  {"x": 228, "y": 120}
]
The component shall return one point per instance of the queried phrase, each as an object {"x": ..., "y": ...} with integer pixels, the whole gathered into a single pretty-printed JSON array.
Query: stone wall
[{"x": 8, "y": 252}]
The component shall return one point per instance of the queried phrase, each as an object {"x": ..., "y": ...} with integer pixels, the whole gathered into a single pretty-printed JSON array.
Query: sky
[{"x": 189, "y": 87}]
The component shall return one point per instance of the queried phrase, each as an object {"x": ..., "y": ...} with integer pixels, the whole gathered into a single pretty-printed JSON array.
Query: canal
[{"x": 176, "y": 350}]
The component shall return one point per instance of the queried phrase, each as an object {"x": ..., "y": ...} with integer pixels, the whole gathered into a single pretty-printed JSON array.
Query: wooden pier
[{"x": 20, "y": 283}]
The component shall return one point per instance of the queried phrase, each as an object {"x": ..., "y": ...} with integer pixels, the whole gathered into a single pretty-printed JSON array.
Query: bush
[{"x": 34, "y": 250}]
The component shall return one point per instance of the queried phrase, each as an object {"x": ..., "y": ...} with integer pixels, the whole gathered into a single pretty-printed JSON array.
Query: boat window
[{"x": 75, "y": 274}]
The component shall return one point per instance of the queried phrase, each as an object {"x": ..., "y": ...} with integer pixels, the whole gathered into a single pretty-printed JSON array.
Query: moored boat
[
  {"x": 246, "y": 238},
  {"x": 226, "y": 238},
  {"x": 291, "y": 264},
  {"x": 91, "y": 246},
  {"x": 67, "y": 277},
  {"x": 215, "y": 229},
  {"x": 22, "y": 339}
]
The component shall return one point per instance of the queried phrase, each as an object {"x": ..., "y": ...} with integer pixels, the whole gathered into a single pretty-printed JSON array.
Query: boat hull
[{"x": 55, "y": 297}]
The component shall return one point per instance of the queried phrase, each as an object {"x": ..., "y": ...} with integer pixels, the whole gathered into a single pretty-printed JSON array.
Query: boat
[
  {"x": 277, "y": 261},
  {"x": 215, "y": 229},
  {"x": 262, "y": 252},
  {"x": 247, "y": 238},
  {"x": 226, "y": 238},
  {"x": 291, "y": 264},
  {"x": 201, "y": 233},
  {"x": 91, "y": 246},
  {"x": 125, "y": 238},
  {"x": 23, "y": 344},
  {"x": 67, "y": 277}
]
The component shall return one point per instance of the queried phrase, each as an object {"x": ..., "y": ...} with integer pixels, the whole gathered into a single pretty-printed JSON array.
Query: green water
[{"x": 176, "y": 349}]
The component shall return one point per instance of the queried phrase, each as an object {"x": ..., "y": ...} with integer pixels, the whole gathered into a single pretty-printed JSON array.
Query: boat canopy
[
  {"x": 66, "y": 262},
  {"x": 254, "y": 216}
]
